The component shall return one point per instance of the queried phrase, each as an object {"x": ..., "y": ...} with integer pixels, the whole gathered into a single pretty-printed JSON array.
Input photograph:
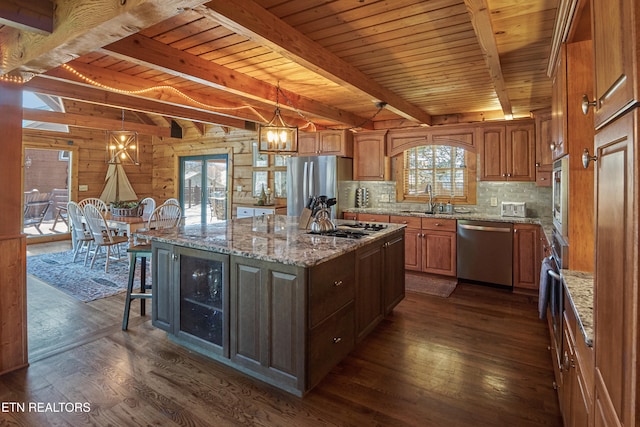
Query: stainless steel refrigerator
[{"x": 316, "y": 176}]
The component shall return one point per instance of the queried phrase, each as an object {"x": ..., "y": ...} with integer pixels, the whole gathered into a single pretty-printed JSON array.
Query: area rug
[
  {"x": 430, "y": 285},
  {"x": 79, "y": 281}
]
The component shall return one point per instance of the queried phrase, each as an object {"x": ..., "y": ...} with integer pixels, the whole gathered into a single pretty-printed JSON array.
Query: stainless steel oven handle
[{"x": 554, "y": 275}]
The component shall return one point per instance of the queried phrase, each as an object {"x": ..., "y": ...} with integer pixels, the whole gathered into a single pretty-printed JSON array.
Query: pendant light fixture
[
  {"x": 122, "y": 145},
  {"x": 277, "y": 137}
]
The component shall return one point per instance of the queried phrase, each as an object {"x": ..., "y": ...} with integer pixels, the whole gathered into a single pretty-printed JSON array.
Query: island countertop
[{"x": 269, "y": 237}]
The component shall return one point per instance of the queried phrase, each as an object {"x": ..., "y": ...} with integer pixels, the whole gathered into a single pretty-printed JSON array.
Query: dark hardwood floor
[{"x": 477, "y": 358}]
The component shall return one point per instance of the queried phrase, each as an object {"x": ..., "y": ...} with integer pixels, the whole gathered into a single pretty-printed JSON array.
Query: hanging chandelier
[
  {"x": 277, "y": 137},
  {"x": 122, "y": 145}
]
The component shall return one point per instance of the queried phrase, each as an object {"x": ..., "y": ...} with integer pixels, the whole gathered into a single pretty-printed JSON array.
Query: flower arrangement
[{"x": 126, "y": 208}]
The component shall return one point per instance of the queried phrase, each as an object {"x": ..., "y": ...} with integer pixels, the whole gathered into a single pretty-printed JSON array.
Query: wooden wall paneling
[{"x": 13, "y": 313}]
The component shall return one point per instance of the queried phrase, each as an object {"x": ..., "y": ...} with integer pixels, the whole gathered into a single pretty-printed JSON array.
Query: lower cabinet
[
  {"x": 526, "y": 256},
  {"x": 430, "y": 244},
  {"x": 283, "y": 324},
  {"x": 190, "y": 290},
  {"x": 267, "y": 320}
]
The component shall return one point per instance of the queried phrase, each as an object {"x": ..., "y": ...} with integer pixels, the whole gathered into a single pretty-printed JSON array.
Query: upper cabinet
[
  {"x": 507, "y": 152},
  {"x": 615, "y": 26},
  {"x": 559, "y": 106},
  {"x": 544, "y": 155},
  {"x": 326, "y": 143},
  {"x": 369, "y": 160}
]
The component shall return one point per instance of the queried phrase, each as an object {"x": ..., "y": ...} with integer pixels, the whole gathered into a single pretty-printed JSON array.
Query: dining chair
[
  {"x": 172, "y": 200},
  {"x": 165, "y": 216},
  {"x": 103, "y": 236},
  {"x": 98, "y": 203},
  {"x": 149, "y": 204},
  {"x": 80, "y": 236}
]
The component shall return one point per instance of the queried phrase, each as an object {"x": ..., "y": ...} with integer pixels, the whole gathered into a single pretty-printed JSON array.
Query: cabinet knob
[
  {"x": 552, "y": 146},
  {"x": 437, "y": 224},
  {"x": 537, "y": 164},
  {"x": 543, "y": 178},
  {"x": 586, "y": 158},
  {"x": 336, "y": 340},
  {"x": 508, "y": 174},
  {"x": 337, "y": 283},
  {"x": 586, "y": 104},
  {"x": 504, "y": 174}
]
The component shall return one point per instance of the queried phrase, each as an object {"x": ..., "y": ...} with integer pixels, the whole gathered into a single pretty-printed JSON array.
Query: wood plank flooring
[{"x": 477, "y": 358}]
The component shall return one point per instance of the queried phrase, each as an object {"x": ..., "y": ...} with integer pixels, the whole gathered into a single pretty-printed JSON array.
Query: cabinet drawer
[
  {"x": 243, "y": 212},
  {"x": 331, "y": 286},
  {"x": 372, "y": 217},
  {"x": 438, "y": 224},
  {"x": 410, "y": 221},
  {"x": 350, "y": 215},
  {"x": 329, "y": 343},
  {"x": 263, "y": 211}
]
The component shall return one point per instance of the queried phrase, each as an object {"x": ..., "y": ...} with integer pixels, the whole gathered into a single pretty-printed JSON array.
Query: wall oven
[
  {"x": 559, "y": 257},
  {"x": 560, "y": 194}
]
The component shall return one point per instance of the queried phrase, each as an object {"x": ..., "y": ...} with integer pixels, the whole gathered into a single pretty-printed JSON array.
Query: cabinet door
[
  {"x": 614, "y": 43},
  {"x": 559, "y": 105},
  {"x": 544, "y": 155},
  {"x": 439, "y": 249},
  {"x": 526, "y": 261},
  {"x": 413, "y": 249},
  {"x": 369, "y": 160},
  {"x": 520, "y": 152},
  {"x": 616, "y": 290},
  {"x": 307, "y": 143},
  {"x": 493, "y": 154},
  {"x": 369, "y": 285},
  {"x": 162, "y": 278},
  {"x": 202, "y": 315},
  {"x": 267, "y": 326},
  {"x": 335, "y": 143},
  {"x": 394, "y": 271}
]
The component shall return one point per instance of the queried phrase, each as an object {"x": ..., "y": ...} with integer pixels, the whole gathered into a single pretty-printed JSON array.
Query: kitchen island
[{"x": 271, "y": 300}]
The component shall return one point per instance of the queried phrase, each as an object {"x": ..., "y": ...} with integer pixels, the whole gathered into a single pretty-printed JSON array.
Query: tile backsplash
[{"x": 382, "y": 194}]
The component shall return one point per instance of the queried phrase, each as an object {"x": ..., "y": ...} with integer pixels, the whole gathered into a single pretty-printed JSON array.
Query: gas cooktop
[
  {"x": 366, "y": 226},
  {"x": 348, "y": 234}
]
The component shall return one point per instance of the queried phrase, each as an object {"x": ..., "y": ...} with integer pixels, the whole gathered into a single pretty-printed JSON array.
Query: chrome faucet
[{"x": 429, "y": 191}]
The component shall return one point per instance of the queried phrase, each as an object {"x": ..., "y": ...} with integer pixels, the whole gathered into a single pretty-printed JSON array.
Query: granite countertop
[
  {"x": 546, "y": 223},
  {"x": 579, "y": 286},
  {"x": 275, "y": 238}
]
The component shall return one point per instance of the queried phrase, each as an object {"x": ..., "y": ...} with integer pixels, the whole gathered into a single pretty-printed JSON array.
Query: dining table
[{"x": 126, "y": 224}]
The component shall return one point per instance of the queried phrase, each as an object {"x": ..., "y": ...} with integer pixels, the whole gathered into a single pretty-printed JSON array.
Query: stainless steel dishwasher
[{"x": 485, "y": 252}]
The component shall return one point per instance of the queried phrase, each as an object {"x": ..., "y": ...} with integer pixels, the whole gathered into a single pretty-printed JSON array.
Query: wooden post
[{"x": 13, "y": 301}]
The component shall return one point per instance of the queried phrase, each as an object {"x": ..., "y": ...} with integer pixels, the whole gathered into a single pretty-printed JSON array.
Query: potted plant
[{"x": 126, "y": 208}]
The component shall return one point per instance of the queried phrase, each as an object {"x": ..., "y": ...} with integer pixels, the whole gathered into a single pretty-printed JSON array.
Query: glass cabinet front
[{"x": 203, "y": 284}]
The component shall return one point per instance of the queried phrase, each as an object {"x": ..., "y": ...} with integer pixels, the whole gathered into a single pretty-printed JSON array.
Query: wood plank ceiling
[{"x": 335, "y": 61}]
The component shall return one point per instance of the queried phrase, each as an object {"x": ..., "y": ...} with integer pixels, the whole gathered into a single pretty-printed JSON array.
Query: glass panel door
[
  {"x": 46, "y": 191},
  {"x": 203, "y": 188}
]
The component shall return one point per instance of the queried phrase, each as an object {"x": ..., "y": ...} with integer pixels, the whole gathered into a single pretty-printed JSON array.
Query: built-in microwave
[{"x": 560, "y": 188}]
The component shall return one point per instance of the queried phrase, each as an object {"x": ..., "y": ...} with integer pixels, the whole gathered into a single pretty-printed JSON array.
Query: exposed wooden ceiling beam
[
  {"x": 145, "y": 51},
  {"x": 28, "y": 15},
  {"x": 481, "y": 20},
  {"x": 122, "y": 82},
  {"x": 79, "y": 120},
  {"x": 84, "y": 93},
  {"x": 82, "y": 27},
  {"x": 251, "y": 20}
]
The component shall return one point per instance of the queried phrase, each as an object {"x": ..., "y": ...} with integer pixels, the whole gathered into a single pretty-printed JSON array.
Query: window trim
[{"x": 472, "y": 176}]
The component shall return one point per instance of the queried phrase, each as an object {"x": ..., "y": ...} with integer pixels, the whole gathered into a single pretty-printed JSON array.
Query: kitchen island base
[{"x": 287, "y": 325}]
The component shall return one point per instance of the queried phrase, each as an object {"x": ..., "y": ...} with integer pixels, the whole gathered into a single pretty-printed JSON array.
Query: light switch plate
[
  {"x": 494, "y": 201},
  {"x": 239, "y": 188},
  {"x": 83, "y": 187}
]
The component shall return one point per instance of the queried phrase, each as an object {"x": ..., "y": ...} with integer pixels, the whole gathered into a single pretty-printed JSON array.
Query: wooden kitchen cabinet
[
  {"x": 615, "y": 27},
  {"x": 439, "y": 246},
  {"x": 544, "y": 155},
  {"x": 559, "y": 105},
  {"x": 352, "y": 216},
  {"x": 326, "y": 143},
  {"x": 430, "y": 244},
  {"x": 526, "y": 256},
  {"x": 616, "y": 296},
  {"x": 507, "y": 153},
  {"x": 365, "y": 217},
  {"x": 394, "y": 271},
  {"x": 370, "y": 162}
]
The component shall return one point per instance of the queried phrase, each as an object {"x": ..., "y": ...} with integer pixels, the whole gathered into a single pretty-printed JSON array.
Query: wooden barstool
[{"x": 143, "y": 252}]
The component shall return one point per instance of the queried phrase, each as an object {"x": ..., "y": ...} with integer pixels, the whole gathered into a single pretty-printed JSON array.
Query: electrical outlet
[
  {"x": 83, "y": 187},
  {"x": 494, "y": 201}
]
